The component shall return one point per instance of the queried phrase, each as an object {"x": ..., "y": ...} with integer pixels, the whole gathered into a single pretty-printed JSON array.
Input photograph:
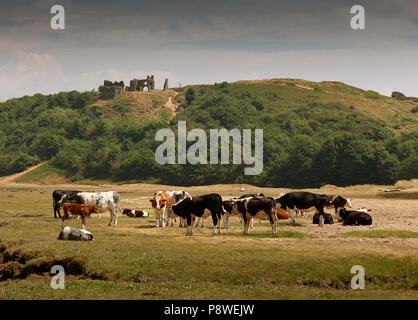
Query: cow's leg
[
  {"x": 251, "y": 223},
  {"x": 246, "y": 220},
  {"x": 111, "y": 219},
  {"x": 83, "y": 222},
  {"x": 115, "y": 213},
  {"x": 197, "y": 223},
  {"x": 203, "y": 222},
  {"x": 189, "y": 226},
  {"x": 273, "y": 222},
  {"x": 216, "y": 222},
  {"x": 226, "y": 218},
  {"x": 292, "y": 215},
  {"x": 163, "y": 217}
]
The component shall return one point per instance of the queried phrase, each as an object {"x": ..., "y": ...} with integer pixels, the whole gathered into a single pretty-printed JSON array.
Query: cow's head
[
  {"x": 180, "y": 207},
  {"x": 159, "y": 201},
  {"x": 340, "y": 202},
  {"x": 64, "y": 199},
  {"x": 343, "y": 213}
]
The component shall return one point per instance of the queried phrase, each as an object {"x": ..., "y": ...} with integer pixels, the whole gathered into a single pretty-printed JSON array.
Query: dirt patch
[{"x": 20, "y": 264}]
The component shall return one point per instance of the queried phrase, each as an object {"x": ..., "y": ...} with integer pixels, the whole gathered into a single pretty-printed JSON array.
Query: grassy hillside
[{"x": 314, "y": 134}]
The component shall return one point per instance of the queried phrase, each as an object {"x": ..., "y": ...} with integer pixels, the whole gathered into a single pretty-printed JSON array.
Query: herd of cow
[{"x": 170, "y": 205}]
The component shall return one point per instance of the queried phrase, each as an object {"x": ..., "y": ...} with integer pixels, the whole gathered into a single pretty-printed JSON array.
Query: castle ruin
[{"x": 113, "y": 90}]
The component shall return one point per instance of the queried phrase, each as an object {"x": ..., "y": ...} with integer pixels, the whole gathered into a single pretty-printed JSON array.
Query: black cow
[
  {"x": 338, "y": 202},
  {"x": 257, "y": 207},
  {"x": 355, "y": 218},
  {"x": 190, "y": 208},
  {"x": 56, "y": 197},
  {"x": 305, "y": 202},
  {"x": 327, "y": 220}
]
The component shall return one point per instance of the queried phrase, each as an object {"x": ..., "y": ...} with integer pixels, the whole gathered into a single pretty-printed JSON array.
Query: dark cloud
[{"x": 223, "y": 40}]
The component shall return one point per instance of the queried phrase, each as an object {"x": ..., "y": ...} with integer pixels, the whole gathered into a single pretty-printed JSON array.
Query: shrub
[
  {"x": 398, "y": 95},
  {"x": 372, "y": 94}
]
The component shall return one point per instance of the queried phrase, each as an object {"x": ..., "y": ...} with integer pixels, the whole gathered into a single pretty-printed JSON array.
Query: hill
[{"x": 315, "y": 133}]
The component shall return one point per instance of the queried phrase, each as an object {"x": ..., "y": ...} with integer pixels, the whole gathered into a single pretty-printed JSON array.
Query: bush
[
  {"x": 398, "y": 95},
  {"x": 372, "y": 94}
]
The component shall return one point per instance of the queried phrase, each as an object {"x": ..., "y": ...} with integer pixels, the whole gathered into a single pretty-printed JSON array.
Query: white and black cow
[
  {"x": 190, "y": 208},
  {"x": 69, "y": 233},
  {"x": 135, "y": 213},
  {"x": 305, "y": 202},
  {"x": 56, "y": 197},
  {"x": 257, "y": 207},
  {"x": 102, "y": 200}
]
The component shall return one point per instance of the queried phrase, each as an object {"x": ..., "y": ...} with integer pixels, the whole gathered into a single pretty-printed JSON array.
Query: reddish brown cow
[{"x": 78, "y": 209}]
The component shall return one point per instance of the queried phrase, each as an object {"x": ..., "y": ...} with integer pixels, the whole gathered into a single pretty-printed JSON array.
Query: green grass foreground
[{"x": 136, "y": 260}]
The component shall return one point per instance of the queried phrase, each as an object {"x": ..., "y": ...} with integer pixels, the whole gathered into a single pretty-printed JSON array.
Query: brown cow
[{"x": 78, "y": 209}]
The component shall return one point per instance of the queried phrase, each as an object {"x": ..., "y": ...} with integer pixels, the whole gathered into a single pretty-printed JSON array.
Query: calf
[
  {"x": 355, "y": 218},
  {"x": 190, "y": 208},
  {"x": 135, "y": 213},
  {"x": 56, "y": 197},
  {"x": 77, "y": 209},
  {"x": 327, "y": 220},
  {"x": 75, "y": 234},
  {"x": 304, "y": 201},
  {"x": 259, "y": 207},
  {"x": 230, "y": 209}
]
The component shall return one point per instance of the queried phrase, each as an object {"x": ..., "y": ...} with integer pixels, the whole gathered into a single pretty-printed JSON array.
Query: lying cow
[
  {"x": 327, "y": 220},
  {"x": 77, "y": 209},
  {"x": 104, "y": 201},
  {"x": 75, "y": 234},
  {"x": 355, "y": 218},
  {"x": 251, "y": 195},
  {"x": 190, "y": 208},
  {"x": 305, "y": 202},
  {"x": 135, "y": 213},
  {"x": 56, "y": 197},
  {"x": 258, "y": 207},
  {"x": 162, "y": 202}
]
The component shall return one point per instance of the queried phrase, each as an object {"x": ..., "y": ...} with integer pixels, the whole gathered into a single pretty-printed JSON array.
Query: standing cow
[
  {"x": 190, "y": 208},
  {"x": 304, "y": 201},
  {"x": 337, "y": 203},
  {"x": 162, "y": 201},
  {"x": 56, "y": 197},
  {"x": 257, "y": 207},
  {"x": 102, "y": 200}
]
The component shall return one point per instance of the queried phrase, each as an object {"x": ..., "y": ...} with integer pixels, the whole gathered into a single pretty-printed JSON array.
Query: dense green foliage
[{"x": 306, "y": 144}]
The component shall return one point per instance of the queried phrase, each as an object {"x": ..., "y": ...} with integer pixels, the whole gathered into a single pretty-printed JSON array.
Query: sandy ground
[{"x": 387, "y": 214}]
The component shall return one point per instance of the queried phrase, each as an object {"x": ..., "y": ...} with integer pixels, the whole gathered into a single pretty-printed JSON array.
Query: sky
[{"x": 206, "y": 41}]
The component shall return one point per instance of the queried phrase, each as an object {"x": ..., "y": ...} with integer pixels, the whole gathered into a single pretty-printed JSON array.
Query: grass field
[{"x": 136, "y": 260}]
